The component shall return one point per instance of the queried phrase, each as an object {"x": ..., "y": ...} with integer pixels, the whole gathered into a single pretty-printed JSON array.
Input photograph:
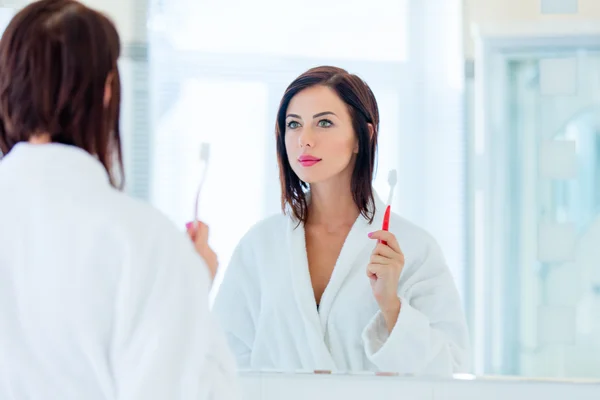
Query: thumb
[
  {"x": 200, "y": 230},
  {"x": 191, "y": 230}
]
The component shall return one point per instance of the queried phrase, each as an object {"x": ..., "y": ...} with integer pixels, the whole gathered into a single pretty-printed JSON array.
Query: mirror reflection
[
  {"x": 415, "y": 195},
  {"x": 338, "y": 275}
]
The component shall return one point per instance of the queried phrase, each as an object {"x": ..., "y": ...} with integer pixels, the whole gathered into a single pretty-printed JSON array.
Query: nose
[{"x": 306, "y": 138}]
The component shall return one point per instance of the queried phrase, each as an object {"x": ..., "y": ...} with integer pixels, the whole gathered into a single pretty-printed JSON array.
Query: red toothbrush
[{"x": 392, "y": 178}]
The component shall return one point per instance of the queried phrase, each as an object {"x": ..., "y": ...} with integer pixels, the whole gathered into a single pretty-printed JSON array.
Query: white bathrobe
[
  {"x": 101, "y": 297},
  {"x": 267, "y": 307}
]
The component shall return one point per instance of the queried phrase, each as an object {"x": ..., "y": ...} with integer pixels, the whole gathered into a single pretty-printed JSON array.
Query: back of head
[{"x": 59, "y": 77}]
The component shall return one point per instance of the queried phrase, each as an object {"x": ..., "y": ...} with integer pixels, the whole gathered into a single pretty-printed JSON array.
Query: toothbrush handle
[{"x": 386, "y": 221}]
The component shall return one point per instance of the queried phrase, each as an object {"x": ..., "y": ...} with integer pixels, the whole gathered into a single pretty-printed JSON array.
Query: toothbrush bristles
[
  {"x": 204, "y": 157},
  {"x": 392, "y": 177},
  {"x": 204, "y": 152}
]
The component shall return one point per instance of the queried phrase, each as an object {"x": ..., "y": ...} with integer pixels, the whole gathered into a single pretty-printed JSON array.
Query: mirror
[
  {"x": 317, "y": 119},
  {"x": 510, "y": 194}
]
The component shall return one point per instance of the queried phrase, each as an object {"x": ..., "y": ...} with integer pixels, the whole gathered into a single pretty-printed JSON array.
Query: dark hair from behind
[
  {"x": 56, "y": 57},
  {"x": 363, "y": 109}
]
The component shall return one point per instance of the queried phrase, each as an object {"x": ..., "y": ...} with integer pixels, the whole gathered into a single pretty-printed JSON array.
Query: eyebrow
[
  {"x": 314, "y": 116},
  {"x": 324, "y": 113}
]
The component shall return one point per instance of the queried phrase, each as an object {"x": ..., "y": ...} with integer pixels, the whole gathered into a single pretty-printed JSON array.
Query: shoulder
[
  {"x": 257, "y": 250},
  {"x": 261, "y": 245},
  {"x": 136, "y": 216},
  {"x": 149, "y": 235},
  {"x": 270, "y": 230}
]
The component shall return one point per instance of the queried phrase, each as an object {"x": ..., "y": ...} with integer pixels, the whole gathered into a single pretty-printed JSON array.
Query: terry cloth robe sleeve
[
  {"x": 430, "y": 336},
  {"x": 166, "y": 343},
  {"x": 237, "y": 304}
]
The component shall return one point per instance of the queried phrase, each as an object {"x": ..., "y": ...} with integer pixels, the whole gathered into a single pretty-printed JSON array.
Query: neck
[
  {"x": 331, "y": 204},
  {"x": 40, "y": 138}
]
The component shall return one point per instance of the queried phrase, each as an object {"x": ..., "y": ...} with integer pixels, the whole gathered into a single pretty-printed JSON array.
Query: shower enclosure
[{"x": 534, "y": 192}]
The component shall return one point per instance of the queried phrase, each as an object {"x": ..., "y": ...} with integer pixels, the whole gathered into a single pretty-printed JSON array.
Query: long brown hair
[
  {"x": 56, "y": 57},
  {"x": 362, "y": 105}
]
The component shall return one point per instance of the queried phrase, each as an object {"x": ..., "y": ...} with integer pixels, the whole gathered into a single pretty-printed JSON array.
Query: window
[
  {"x": 5, "y": 15},
  {"x": 338, "y": 29},
  {"x": 230, "y": 116}
]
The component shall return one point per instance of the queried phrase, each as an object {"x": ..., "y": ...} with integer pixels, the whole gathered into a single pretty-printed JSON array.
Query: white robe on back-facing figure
[
  {"x": 101, "y": 297},
  {"x": 267, "y": 307}
]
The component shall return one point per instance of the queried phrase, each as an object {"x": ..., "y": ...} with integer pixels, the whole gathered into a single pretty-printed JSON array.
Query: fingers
[
  {"x": 197, "y": 230},
  {"x": 191, "y": 230},
  {"x": 376, "y": 259},
  {"x": 387, "y": 237},
  {"x": 387, "y": 252},
  {"x": 384, "y": 260},
  {"x": 201, "y": 230},
  {"x": 384, "y": 250},
  {"x": 377, "y": 263},
  {"x": 375, "y": 270}
]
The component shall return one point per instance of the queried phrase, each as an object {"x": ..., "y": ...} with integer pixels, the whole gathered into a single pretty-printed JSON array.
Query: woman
[
  {"x": 314, "y": 288},
  {"x": 100, "y": 296}
]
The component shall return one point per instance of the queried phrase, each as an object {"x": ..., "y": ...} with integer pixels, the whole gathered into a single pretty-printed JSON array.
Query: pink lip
[{"x": 308, "y": 161}]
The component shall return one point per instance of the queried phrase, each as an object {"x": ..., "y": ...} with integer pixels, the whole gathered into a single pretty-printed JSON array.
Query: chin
[
  {"x": 319, "y": 174},
  {"x": 312, "y": 178},
  {"x": 308, "y": 177}
]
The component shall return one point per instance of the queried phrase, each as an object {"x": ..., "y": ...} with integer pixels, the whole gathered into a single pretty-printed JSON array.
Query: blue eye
[
  {"x": 293, "y": 124},
  {"x": 325, "y": 123}
]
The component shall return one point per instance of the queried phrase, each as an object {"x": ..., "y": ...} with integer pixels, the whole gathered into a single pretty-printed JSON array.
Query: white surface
[
  {"x": 274, "y": 386},
  {"x": 558, "y": 76},
  {"x": 559, "y": 6},
  {"x": 558, "y": 159},
  {"x": 556, "y": 242}
]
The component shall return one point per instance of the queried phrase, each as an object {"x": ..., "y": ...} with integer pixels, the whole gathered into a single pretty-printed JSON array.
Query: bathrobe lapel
[
  {"x": 354, "y": 254},
  {"x": 350, "y": 257},
  {"x": 304, "y": 296}
]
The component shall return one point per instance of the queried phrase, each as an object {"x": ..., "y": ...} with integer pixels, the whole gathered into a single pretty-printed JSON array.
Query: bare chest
[{"x": 323, "y": 249}]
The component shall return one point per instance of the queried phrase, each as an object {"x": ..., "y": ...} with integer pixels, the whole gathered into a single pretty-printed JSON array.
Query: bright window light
[{"x": 374, "y": 30}]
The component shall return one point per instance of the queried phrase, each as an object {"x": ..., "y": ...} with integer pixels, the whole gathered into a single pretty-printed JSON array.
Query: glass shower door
[{"x": 554, "y": 211}]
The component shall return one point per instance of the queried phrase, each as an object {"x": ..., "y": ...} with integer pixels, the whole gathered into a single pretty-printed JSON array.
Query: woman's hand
[
  {"x": 198, "y": 232},
  {"x": 385, "y": 266}
]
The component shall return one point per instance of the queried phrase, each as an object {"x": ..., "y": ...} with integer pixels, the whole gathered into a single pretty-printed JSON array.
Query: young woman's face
[{"x": 319, "y": 137}]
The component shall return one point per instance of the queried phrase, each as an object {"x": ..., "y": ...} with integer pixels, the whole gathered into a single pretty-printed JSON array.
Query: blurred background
[{"x": 490, "y": 112}]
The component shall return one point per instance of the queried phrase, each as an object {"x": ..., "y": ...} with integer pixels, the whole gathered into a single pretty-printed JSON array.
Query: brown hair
[
  {"x": 55, "y": 59},
  {"x": 362, "y": 105}
]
